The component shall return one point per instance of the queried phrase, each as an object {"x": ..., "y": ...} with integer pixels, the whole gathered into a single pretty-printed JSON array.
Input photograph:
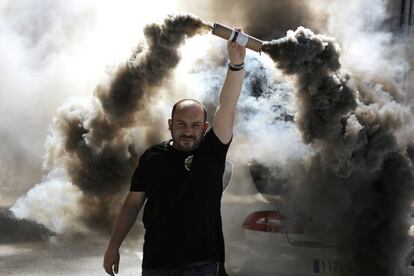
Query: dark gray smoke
[
  {"x": 13, "y": 230},
  {"x": 128, "y": 93},
  {"x": 147, "y": 67},
  {"x": 357, "y": 185},
  {"x": 91, "y": 140}
]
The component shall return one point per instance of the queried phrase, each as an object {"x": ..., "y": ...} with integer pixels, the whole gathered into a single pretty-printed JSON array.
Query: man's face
[{"x": 187, "y": 126}]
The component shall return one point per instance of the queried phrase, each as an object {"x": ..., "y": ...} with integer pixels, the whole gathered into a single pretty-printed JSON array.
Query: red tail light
[{"x": 270, "y": 221}]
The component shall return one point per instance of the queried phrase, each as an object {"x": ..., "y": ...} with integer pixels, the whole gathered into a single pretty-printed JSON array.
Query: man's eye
[{"x": 196, "y": 126}]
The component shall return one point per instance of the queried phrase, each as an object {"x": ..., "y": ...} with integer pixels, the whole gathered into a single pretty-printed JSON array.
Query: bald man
[{"x": 181, "y": 182}]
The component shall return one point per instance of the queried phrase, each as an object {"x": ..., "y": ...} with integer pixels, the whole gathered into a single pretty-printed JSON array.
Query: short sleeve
[
  {"x": 218, "y": 148},
  {"x": 139, "y": 178}
]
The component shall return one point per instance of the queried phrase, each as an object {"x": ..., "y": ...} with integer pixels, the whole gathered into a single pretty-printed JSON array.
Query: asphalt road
[{"x": 75, "y": 257}]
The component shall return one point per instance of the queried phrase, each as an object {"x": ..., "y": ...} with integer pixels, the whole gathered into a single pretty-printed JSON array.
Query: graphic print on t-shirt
[{"x": 187, "y": 162}]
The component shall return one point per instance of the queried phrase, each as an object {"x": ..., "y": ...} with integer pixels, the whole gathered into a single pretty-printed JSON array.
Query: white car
[{"x": 262, "y": 238}]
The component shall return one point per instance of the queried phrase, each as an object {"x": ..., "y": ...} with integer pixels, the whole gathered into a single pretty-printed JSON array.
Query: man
[{"x": 181, "y": 182}]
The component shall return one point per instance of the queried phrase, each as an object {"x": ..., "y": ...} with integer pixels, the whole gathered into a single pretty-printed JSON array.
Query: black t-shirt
[{"x": 182, "y": 214}]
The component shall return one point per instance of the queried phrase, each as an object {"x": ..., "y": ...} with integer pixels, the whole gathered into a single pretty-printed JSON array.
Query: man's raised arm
[{"x": 229, "y": 95}]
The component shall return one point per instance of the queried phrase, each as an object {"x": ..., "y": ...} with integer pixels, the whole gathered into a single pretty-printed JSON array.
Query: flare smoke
[
  {"x": 91, "y": 140},
  {"x": 357, "y": 184}
]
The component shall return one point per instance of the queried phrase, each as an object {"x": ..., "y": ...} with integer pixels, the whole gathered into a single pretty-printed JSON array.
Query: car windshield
[{"x": 269, "y": 181}]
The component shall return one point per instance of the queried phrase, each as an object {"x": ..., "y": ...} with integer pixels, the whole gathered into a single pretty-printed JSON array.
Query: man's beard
[{"x": 185, "y": 148}]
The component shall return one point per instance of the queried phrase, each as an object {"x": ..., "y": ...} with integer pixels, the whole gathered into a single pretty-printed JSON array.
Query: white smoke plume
[
  {"x": 51, "y": 50},
  {"x": 369, "y": 47}
]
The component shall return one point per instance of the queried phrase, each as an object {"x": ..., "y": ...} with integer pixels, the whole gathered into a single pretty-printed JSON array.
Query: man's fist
[{"x": 236, "y": 52}]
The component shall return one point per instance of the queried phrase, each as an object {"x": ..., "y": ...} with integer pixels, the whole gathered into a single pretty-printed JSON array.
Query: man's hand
[
  {"x": 126, "y": 218},
  {"x": 111, "y": 261},
  {"x": 236, "y": 52}
]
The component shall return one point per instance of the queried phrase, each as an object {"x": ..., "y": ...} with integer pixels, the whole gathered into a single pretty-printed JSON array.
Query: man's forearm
[
  {"x": 229, "y": 95},
  {"x": 126, "y": 219},
  {"x": 230, "y": 92}
]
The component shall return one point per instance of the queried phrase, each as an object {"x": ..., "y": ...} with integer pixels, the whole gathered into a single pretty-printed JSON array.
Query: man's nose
[{"x": 188, "y": 129}]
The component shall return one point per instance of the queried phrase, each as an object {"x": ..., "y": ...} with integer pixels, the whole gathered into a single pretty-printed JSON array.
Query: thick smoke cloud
[
  {"x": 357, "y": 185},
  {"x": 90, "y": 139},
  {"x": 324, "y": 98},
  {"x": 13, "y": 230}
]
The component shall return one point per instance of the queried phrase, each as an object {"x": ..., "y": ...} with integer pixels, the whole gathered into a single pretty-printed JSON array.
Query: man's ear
[
  {"x": 205, "y": 126},
  {"x": 169, "y": 124}
]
